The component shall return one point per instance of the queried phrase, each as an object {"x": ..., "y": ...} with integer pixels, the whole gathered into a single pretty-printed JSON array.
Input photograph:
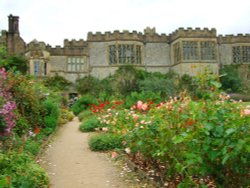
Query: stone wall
[
  {"x": 58, "y": 63},
  {"x": 193, "y": 69},
  {"x": 157, "y": 54},
  {"x": 224, "y": 50}
]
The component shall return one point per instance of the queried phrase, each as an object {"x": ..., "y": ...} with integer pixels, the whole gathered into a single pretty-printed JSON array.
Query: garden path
[{"x": 70, "y": 163}]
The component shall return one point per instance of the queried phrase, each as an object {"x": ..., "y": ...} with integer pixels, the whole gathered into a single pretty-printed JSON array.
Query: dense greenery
[
  {"x": 104, "y": 142},
  {"x": 182, "y": 123},
  {"x": 199, "y": 134},
  {"x": 16, "y": 62},
  {"x": 89, "y": 125},
  {"x": 29, "y": 112}
]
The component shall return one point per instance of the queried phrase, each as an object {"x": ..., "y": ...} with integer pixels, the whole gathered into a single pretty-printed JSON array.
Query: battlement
[
  {"x": 75, "y": 43},
  {"x": 229, "y": 39},
  {"x": 193, "y": 33},
  {"x": 116, "y": 35},
  {"x": 150, "y": 35}
]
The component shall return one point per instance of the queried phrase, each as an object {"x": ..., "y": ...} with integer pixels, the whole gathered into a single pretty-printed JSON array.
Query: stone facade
[{"x": 185, "y": 51}]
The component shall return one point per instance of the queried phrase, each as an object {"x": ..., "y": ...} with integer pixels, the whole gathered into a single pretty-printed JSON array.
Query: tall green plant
[{"x": 230, "y": 78}]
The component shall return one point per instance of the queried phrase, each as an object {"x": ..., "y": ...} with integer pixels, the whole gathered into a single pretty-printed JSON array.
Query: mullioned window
[
  {"x": 75, "y": 64},
  {"x": 124, "y": 54},
  {"x": 241, "y": 54}
]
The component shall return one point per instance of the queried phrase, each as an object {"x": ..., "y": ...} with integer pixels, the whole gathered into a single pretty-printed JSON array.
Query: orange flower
[{"x": 37, "y": 130}]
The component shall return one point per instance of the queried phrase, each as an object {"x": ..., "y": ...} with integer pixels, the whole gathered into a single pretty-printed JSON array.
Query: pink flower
[
  {"x": 245, "y": 112},
  {"x": 143, "y": 122},
  {"x": 139, "y": 105},
  {"x": 144, "y": 106},
  {"x": 105, "y": 129},
  {"x": 114, "y": 155}
]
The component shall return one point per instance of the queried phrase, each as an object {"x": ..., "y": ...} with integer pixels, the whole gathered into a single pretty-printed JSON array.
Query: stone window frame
[
  {"x": 76, "y": 63},
  {"x": 200, "y": 57},
  {"x": 39, "y": 67},
  {"x": 241, "y": 53},
  {"x": 120, "y": 49}
]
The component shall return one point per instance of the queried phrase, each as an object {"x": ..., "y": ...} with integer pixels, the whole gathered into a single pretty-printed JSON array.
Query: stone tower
[
  {"x": 13, "y": 24},
  {"x": 11, "y": 38}
]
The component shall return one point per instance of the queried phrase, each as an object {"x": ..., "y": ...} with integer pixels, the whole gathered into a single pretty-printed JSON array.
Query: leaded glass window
[
  {"x": 112, "y": 54},
  {"x": 241, "y": 54},
  {"x": 138, "y": 54},
  {"x": 190, "y": 50},
  {"x": 246, "y": 54},
  {"x": 177, "y": 52},
  {"x": 207, "y": 50},
  {"x": 124, "y": 54},
  {"x": 37, "y": 68},
  {"x": 75, "y": 64}
]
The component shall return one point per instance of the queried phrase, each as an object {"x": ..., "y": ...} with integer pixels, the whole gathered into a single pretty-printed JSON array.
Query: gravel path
[{"x": 70, "y": 163}]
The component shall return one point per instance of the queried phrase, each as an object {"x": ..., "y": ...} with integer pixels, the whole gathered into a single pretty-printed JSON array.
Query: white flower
[{"x": 127, "y": 150}]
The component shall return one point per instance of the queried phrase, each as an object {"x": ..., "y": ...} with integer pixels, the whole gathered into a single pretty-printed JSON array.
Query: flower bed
[{"x": 185, "y": 142}]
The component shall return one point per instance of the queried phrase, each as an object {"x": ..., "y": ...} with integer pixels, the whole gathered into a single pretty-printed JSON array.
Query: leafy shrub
[
  {"x": 149, "y": 96},
  {"x": 194, "y": 138},
  {"x": 51, "y": 114},
  {"x": 85, "y": 114},
  {"x": 19, "y": 170},
  {"x": 13, "y": 62},
  {"x": 57, "y": 83},
  {"x": 32, "y": 147},
  {"x": 65, "y": 116},
  {"x": 125, "y": 80},
  {"x": 83, "y": 103},
  {"x": 105, "y": 142},
  {"x": 50, "y": 122},
  {"x": 88, "y": 85},
  {"x": 166, "y": 87},
  {"x": 230, "y": 79},
  {"x": 22, "y": 126},
  {"x": 89, "y": 125}
]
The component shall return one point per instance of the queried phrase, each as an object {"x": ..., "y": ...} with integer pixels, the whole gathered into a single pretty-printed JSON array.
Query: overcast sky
[{"x": 52, "y": 21}]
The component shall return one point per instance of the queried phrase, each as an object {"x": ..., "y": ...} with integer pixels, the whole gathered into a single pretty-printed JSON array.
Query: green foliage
[
  {"x": 51, "y": 114},
  {"x": 89, "y": 125},
  {"x": 57, "y": 83},
  {"x": 230, "y": 79},
  {"x": 105, "y": 142},
  {"x": 205, "y": 86},
  {"x": 166, "y": 87},
  {"x": 19, "y": 170},
  {"x": 83, "y": 103},
  {"x": 201, "y": 137},
  {"x": 88, "y": 85},
  {"x": 22, "y": 126},
  {"x": 65, "y": 116},
  {"x": 149, "y": 96},
  {"x": 13, "y": 62},
  {"x": 85, "y": 115},
  {"x": 32, "y": 146},
  {"x": 125, "y": 80}
]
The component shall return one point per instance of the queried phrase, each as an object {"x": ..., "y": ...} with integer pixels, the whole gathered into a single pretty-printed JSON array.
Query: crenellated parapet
[
  {"x": 231, "y": 39},
  {"x": 150, "y": 35},
  {"x": 163, "y": 38},
  {"x": 75, "y": 43},
  {"x": 116, "y": 35},
  {"x": 193, "y": 33},
  {"x": 69, "y": 49}
]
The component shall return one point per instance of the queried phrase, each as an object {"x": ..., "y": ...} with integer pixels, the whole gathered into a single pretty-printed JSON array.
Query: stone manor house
[{"x": 185, "y": 51}]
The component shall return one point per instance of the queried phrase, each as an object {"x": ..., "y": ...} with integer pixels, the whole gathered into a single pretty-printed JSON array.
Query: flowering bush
[
  {"x": 7, "y": 106},
  {"x": 188, "y": 137}
]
